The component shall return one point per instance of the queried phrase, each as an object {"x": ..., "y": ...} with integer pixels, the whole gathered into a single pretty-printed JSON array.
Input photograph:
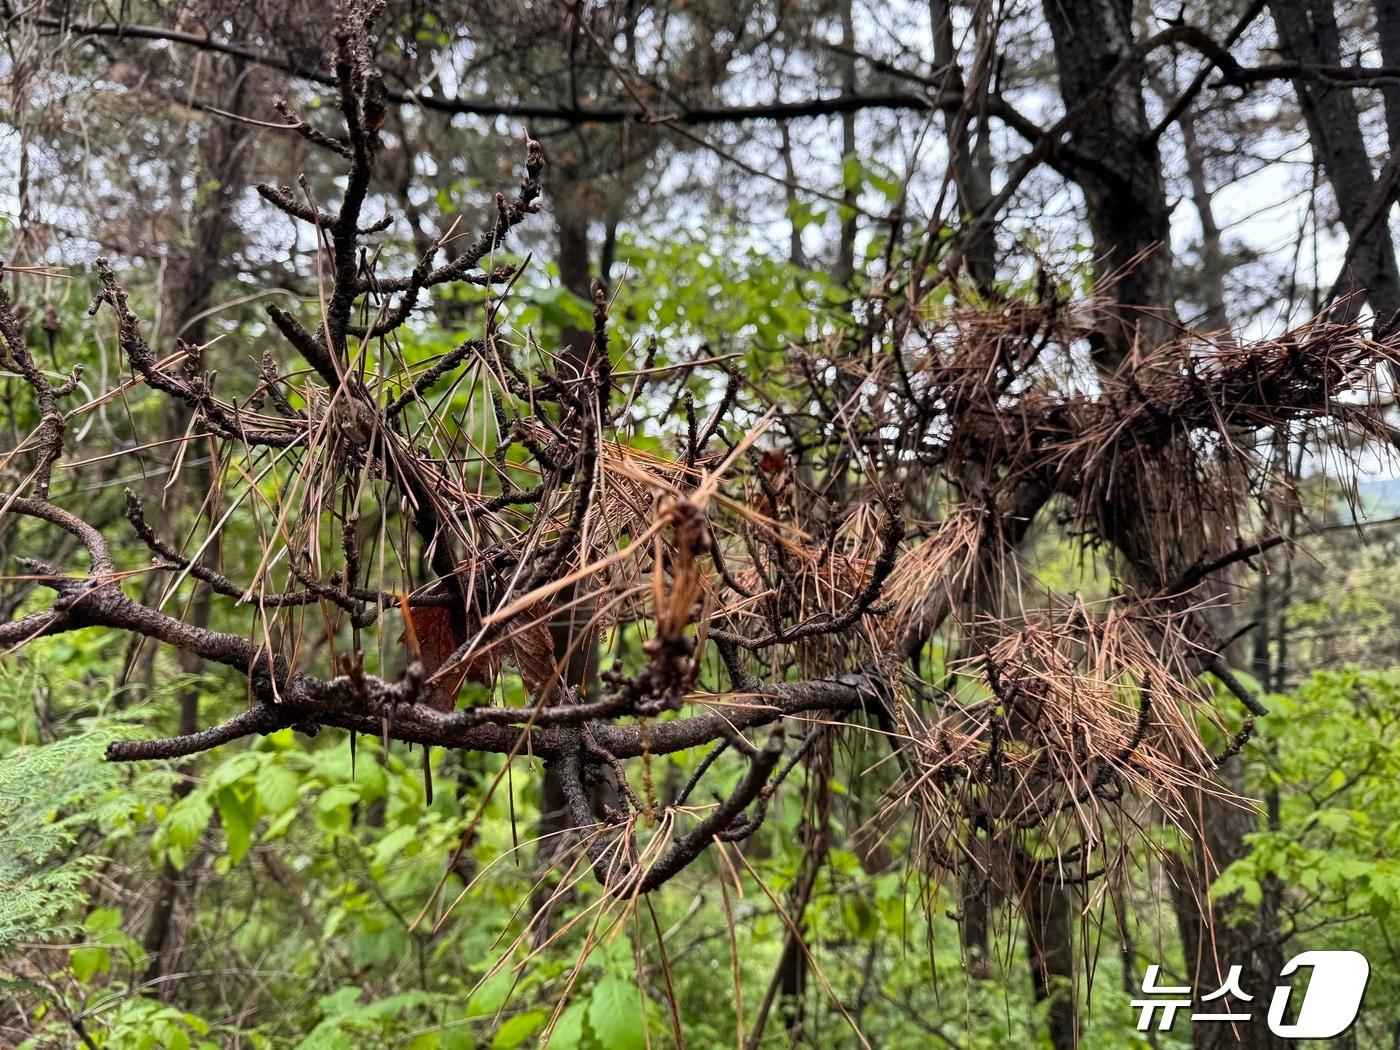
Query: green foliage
[
  {"x": 50, "y": 795},
  {"x": 56, "y": 800},
  {"x": 1327, "y": 764},
  {"x": 709, "y": 287},
  {"x": 1330, "y": 754},
  {"x": 313, "y": 868}
]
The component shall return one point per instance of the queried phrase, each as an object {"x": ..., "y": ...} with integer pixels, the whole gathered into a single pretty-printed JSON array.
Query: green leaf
[
  {"x": 195, "y": 1024},
  {"x": 277, "y": 787},
  {"x": 238, "y": 814},
  {"x": 103, "y": 920},
  {"x": 861, "y": 918},
  {"x": 804, "y": 214},
  {"x": 568, "y": 1030},
  {"x": 341, "y": 1001},
  {"x": 337, "y": 797},
  {"x": 88, "y": 960},
  {"x": 615, "y": 1014},
  {"x": 333, "y": 807},
  {"x": 395, "y": 845},
  {"x": 852, "y": 173},
  {"x": 234, "y": 769},
  {"x": 172, "y": 1037},
  {"x": 519, "y": 1028},
  {"x": 187, "y": 820},
  {"x": 492, "y": 995}
]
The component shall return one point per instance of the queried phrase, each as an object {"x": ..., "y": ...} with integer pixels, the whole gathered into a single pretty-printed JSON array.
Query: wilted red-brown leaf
[
  {"x": 775, "y": 465},
  {"x": 531, "y": 649},
  {"x": 435, "y": 632}
]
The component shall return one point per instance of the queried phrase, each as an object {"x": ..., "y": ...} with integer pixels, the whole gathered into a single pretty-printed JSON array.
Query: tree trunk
[
  {"x": 1211, "y": 945},
  {"x": 796, "y": 255},
  {"x": 1123, "y": 191},
  {"x": 187, "y": 297},
  {"x": 1213, "y": 262},
  {"x": 1307, "y": 33},
  {"x": 844, "y": 272},
  {"x": 971, "y": 165},
  {"x": 1050, "y": 946},
  {"x": 1388, "y": 33},
  {"x": 1128, "y": 215},
  {"x": 789, "y": 983}
]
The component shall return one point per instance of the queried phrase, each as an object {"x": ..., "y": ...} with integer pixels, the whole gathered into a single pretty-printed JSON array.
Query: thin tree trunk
[
  {"x": 970, "y": 167},
  {"x": 1051, "y": 950},
  {"x": 1213, "y": 263},
  {"x": 971, "y": 174},
  {"x": 1307, "y": 33},
  {"x": 844, "y": 271},
  {"x": 789, "y": 983},
  {"x": 1128, "y": 215},
  {"x": 188, "y": 296},
  {"x": 796, "y": 255}
]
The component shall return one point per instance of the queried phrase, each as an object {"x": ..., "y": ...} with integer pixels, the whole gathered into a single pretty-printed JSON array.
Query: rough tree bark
[
  {"x": 1123, "y": 188},
  {"x": 1307, "y": 33},
  {"x": 1050, "y": 944},
  {"x": 1125, "y": 198},
  {"x": 1388, "y": 33}
]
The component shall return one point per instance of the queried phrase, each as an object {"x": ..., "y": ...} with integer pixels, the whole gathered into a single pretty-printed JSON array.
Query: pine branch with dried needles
[{"x": 782, "y": 566}]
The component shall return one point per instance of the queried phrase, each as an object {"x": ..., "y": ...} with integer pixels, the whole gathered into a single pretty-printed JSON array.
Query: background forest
[{"x": 609, "y": 524}]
